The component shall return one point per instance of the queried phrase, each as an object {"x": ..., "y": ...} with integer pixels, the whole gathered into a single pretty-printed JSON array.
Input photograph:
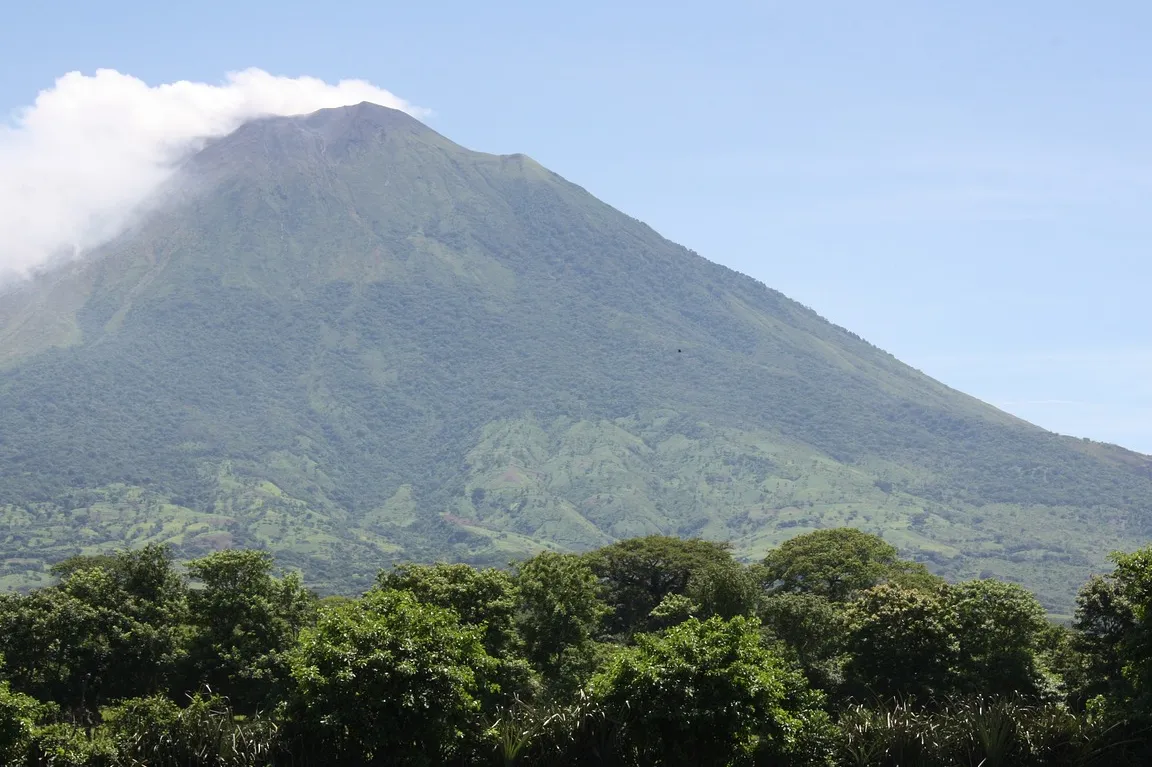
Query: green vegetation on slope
[{"x": 345, "y": 333}]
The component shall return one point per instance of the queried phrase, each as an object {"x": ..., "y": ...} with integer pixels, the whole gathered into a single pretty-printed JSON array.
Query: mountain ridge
[{"x": 344, "y": 331}]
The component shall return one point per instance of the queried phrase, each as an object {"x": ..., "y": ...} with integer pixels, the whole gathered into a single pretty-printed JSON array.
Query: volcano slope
[{"x": 346, "y": 338}]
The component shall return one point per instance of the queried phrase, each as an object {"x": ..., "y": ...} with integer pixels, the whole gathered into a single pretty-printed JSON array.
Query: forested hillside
[{"x": 348, "y": 340}]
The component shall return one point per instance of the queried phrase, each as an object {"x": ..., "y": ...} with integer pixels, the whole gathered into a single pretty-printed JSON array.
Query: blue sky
[{"x": 967, "y": 185}]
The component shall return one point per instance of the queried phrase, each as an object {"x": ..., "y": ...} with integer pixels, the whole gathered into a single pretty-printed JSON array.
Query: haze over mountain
[{"x": 346, "y": 338}]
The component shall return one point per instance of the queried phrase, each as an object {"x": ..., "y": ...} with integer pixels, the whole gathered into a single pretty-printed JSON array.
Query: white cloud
[{"x": 76, "y": 163}]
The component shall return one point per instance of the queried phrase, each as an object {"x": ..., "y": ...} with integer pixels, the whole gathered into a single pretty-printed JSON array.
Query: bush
[
  {"x": 62, "y": 744},
  {"x": 156, "y": 732},
  {"x": 18, "y": 714}
]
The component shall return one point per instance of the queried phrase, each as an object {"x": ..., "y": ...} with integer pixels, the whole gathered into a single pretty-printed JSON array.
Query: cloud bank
[{"x": 77, "y": 162}]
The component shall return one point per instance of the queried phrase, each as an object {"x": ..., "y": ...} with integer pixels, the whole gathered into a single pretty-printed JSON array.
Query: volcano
[{"x": 348, "y": 340}]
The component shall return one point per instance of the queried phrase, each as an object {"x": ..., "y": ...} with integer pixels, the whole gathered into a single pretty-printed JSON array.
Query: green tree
[
  {"x": 112, "y": 628},
  {"x": 486, "y": 599},
  {"x": 483, "y": 598},
  {"x": 902, "y": 642},
  {"x": 559, "y": 617},
  {"x": 18, "y": 715},
  {"x": 639, "y": 573},
  {"x": 390, "y": 680},
  {"x": 245, "y": 620},
  {"x": 1103, "y": 621},
  {"x": 1000, "y": 630},
  {"x": 838, "y": 563},
  {"x": 56, "y": 647},
  {"x": 813, "y": 630},
  {"x": 708, "y": 693},
  {"x": 146, "y": 601},
  {"x": 67, "y": 567},
  {"x": 673, "y": 609},
  {"x": 1121, "y": 626},
  {"x": 724, "y": 589}
]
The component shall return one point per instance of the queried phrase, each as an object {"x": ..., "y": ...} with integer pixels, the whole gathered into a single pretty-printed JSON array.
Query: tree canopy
[
  {"x": 838, "y": 563},
  {"x": 132, "y": 659}
]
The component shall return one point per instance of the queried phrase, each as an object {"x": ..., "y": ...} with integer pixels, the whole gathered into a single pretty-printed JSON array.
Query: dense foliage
[
  {"x": 651, "y": 651},
  {"x": 354, "y": 326}
]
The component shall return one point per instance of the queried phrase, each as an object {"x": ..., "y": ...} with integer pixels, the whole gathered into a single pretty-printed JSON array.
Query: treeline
[{"x": 651, "y": 651}]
